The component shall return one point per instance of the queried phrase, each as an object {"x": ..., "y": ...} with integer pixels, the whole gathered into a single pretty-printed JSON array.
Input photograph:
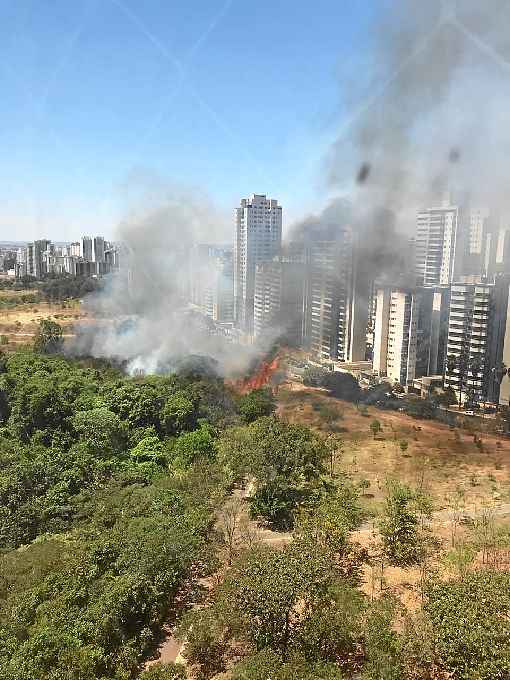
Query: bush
[{"x": 256, "y": 404}]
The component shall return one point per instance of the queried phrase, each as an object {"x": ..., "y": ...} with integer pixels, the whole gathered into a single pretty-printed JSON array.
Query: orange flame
[{"x": 261, "y": 378}]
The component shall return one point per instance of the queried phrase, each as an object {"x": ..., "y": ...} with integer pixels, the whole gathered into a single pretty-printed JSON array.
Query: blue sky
[{"x": 230, "y": 97}]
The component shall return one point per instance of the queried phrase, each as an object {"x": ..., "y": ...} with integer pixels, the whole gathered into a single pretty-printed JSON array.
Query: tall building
[
  {"x": 98, "y": 249},
  {"x": 279, "y": 298},
  {"x": 86, "y": 248},
  {"x": 432, "y": 332},
  {"x": 73, "y": 249},
  {"x": 468, "y": 360},
  {"x": 35, "y": 262},
  {"x": 219, "y": 290},
  {"x": 439, "y": 246},
  {"x": 327, "y": 323},
  {"x": 258, "y": 239},
  {"x": 395, "y": 334},
  {"x": 211, "y": 281}
]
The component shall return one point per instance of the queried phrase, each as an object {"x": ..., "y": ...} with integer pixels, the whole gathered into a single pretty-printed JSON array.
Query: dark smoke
[{"x": 439, "y": 83}]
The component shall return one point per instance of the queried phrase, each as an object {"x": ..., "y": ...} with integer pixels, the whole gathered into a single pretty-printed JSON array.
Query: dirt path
[{"x": 170, "y": 649}]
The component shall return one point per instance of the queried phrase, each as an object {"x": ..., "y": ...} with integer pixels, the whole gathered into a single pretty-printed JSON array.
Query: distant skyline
[{"x": 227, "y": 98}]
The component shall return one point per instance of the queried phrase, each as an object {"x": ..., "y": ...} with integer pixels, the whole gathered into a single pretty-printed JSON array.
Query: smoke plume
[
  {"x": 141, "y": 317},
  {"x": 426, "y": 114}
]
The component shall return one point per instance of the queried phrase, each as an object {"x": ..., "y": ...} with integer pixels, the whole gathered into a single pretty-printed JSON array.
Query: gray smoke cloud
[
  {"x": 426, "y": 112},
  {"x": 142, "y": 317}
]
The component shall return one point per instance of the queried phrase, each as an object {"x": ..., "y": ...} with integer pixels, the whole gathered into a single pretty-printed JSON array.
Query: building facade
[
  {"x": 279, "y": 299},
  {"x": 395, "y": 334},
  {"x": 439, "y": 246},
  {"x": 327, "y": 323},
  {"x": 468, "y": 361},
  {"x": 258, "y": 239}
]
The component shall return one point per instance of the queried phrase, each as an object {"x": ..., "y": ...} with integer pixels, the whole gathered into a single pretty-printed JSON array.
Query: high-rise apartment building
[
  {"x": 86, "y": 248},
  {"x": 258, "y": 239},
  {"x": 73, "y": 249},
  {"x": 212, "y": 281},
  {"x": 328, "y": 297},
  {"x": 468, "y": 360},
  {"x": 432, "y": 331},
  {"x": 439, "y": 246},
  {"x": 35, "y": 262},
  {"x": 395, "y": 334},
  {"x": 98, "y": 249},
  {"x": 279, "y": 298}
]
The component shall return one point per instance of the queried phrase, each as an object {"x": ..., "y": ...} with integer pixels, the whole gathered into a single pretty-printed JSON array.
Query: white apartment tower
[
  {"x": 469, "y": 326},
  {"x": 438, "y": 250},
  {"x": 258, "y": 239},
  {"x": 395, "y": 334}
]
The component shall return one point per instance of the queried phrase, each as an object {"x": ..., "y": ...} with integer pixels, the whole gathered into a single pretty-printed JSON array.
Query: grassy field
[
  {"x": 19, "y": 319},
  {"x": 441, "y": 460},
  {"x": 464, "y": 480}
]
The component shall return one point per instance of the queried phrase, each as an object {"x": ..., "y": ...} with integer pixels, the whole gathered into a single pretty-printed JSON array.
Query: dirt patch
[{"x": 442, "y": 461}]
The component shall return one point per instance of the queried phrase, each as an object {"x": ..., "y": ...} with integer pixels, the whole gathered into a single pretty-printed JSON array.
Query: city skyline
[{"x": 80, "y": 130}]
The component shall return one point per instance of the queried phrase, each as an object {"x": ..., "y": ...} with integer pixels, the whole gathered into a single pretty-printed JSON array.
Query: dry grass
[
  {"x": 19, "y": 324},
  {"x": 440, "y": 460},
  {"x": 445, "y": 463}
]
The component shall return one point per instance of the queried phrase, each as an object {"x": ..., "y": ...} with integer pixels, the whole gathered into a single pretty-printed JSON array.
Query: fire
[{"x": 261, "y": 377}]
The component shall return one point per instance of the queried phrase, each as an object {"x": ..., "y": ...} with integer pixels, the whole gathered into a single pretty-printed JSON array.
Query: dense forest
[{"x": 117, "y": 501}]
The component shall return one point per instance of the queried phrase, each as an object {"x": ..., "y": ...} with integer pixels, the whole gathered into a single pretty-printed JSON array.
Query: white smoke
[{"x": 141, "y": 317}]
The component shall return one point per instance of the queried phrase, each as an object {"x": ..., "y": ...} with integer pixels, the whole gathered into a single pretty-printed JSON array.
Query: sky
[{"x": 222, "y": 97}]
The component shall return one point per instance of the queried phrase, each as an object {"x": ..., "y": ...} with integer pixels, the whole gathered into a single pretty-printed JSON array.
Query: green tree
[
  {"x": 400, "y": 526},
  {"x": 287, "y": 462},
  {"x": 178, "y": 414},
  {"x": 375, "y": 427},
  {"x": 447, "y": 398},
  {"x": 149, "y": 450},
  {"x": 471, "y": 625},
  {"x": 102, "y": 429},
  {"x": 164, "y": 671},
  {"x": 199, "y": 445},
  {"x": 49, "y": 337},
  {"x": 256, "y": 404},
  {"x": 267, "y": 593},
  {"x": 268, "y": 665}
]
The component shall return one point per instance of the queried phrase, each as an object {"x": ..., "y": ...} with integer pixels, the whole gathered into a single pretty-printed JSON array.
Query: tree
[
  {"x": 268, "y": 592},
  {"x": 49, "y": 337},
  {"x": 287, "y": 464},
  {"x": 400, "y": 525},
  {"x": 267, "y": 665},
  {"x": 102, "y": 429},
  {"x": 313, "y": 376},
  {"x": 256, "y": 404},
  {"x": 342, "y": 386},
  {"x": 375, "y": 426},
  {"x": 207, "y": 643},
  {"x": 164, "y": 671},
  {"x": 148, "y": 450},
  {"x": 446, "y": 398},
  {"x": 230, "y": 518},
  {"x": 178, "y": 414},
  {"x": 191, "y": 447},
  {"x": 471, "y": 624}
]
